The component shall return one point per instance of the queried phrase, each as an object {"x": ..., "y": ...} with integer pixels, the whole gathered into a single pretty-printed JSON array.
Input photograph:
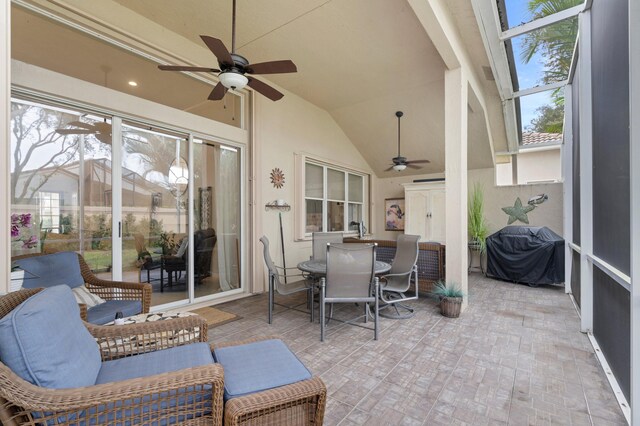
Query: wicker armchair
[
  {"x": 108, "y": 290},
  {"x": 129, "y": 401}
]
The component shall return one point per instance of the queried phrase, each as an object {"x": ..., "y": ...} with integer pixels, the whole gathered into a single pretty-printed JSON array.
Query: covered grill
[{"x": 526, "y": 254}]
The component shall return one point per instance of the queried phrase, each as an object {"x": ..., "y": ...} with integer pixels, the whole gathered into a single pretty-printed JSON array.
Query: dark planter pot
[{"x": 450, "y": 306}]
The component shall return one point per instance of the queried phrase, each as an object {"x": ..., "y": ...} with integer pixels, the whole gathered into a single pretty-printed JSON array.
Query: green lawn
[{"x": 101, "y": 260}]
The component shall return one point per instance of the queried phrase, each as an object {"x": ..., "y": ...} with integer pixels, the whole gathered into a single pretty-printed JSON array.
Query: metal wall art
[{"x": 277, "y": 178}]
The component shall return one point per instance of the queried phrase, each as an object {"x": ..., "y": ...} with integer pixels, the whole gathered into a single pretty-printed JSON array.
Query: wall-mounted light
[{"x": 133, "y": 83}]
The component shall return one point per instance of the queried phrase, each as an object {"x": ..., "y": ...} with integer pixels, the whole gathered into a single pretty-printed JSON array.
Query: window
[
  {"x": 334, "y": 198},
  {"x": 50, "y": 211}
]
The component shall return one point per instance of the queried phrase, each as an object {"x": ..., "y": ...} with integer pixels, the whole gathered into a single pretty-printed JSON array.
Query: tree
[
  {"x": 549, "y": 120},
  {"x": 555, "y": 42},
  {"x": 33, "y": 135}
]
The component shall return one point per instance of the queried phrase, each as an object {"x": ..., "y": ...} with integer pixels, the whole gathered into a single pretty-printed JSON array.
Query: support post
[
  {"x": 586, "y": 175},
  {"x": 567, "y": 186},
  {"x": 455, "y": 141},
  {"x": 5, "y": 136},
  {"x": 634, "y": 113}
]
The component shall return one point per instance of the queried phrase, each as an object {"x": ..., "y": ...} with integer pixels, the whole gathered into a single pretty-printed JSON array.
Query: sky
[{"x": 529, "y": 75}]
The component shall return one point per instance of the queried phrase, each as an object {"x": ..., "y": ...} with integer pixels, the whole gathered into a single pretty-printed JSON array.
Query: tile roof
[{"x": 535, "y": 138}]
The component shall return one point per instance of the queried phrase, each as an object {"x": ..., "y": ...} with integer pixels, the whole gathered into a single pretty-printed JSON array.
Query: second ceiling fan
[
  {"x": 233, "y": 67},
  {"x": 400, "y": 163}
]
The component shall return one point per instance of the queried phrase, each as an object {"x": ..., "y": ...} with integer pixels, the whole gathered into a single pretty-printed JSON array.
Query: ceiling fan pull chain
[{"x": 233, "y": 115}]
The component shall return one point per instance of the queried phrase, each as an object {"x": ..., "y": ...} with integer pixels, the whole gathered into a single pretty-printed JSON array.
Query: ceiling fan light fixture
[
  {"x": 399, "y": 167},
  {"x": 233, "y": 80}
]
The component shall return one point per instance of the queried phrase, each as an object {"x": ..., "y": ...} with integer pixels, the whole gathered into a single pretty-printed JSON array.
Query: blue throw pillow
[
  {"x": 44, "y": 341},
  {"x": 52, "y": 269}
]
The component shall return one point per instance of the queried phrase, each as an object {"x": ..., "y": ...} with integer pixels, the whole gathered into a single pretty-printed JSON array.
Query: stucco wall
[
  {"x": 495, "y": 197},
  {"x": 536, "y": 166},
  {"x": 282, "y": 129}
]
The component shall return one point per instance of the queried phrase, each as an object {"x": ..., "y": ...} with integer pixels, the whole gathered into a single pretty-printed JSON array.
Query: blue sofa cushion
[
  {"x": 106, "y": 312},
  {"x": 258, "y": 366},
  {"x": 52, "y": 269},
  {"x": 157, "y": 362},
  {"x": 44, "y": 341}
]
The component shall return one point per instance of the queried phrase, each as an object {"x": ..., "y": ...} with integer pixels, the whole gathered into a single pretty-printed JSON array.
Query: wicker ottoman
[{"x": 252, "y": 369}]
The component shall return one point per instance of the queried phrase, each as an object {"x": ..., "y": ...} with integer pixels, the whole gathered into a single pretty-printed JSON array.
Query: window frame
[
  {"x": 54, "y": 217},
  {"x": 301, "y": 196}
]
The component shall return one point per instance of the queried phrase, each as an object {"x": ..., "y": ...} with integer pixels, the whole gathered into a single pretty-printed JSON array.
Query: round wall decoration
[{"x": 277, "y": 178}]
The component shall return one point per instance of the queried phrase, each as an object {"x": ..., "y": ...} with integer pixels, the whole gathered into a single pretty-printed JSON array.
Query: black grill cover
[{"x": 526, "y": 254}]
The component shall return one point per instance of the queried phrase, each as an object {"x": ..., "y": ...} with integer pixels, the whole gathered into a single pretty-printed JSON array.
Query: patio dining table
[{"x": 318, "y": 267}]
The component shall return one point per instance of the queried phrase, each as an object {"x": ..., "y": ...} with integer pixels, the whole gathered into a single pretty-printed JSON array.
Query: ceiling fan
[
  {"x": 233, "y": 67},
  {"x": 101, "y": 130},
  {"x": 400, "y": 163}
]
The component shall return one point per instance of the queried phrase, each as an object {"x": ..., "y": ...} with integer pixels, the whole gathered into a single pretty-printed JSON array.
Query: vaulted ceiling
[{"x": 361, "y": 60}]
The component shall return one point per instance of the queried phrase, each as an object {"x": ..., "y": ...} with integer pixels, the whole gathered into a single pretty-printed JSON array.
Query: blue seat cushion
[
  {"x": 258, "y": 366},
  {"x": 44, "y": 341},
  {"x": 52, "y": 269},
  {"x": 106, "y": 312},
  {"x": 157, "y": 362}
]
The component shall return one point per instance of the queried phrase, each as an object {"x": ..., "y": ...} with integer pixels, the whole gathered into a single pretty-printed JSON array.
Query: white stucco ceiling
[{"x": 361, "y": 60}]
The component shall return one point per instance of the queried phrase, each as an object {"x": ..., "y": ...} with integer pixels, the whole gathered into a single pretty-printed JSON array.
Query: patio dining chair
[
  {"x": 350, "y": 279},
  {"x": 320, "y": 241},
  {"x": 288, "y": 288},
  {"x": 397, "y": 282}
]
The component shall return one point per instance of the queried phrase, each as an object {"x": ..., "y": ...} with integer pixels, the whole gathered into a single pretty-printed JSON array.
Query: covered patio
[{"x": 153, "y": 176}]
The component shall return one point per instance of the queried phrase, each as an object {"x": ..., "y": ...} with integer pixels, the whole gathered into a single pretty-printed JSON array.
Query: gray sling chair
[
  {"x": 285, "y": 289},
  {"x": 397, "y": 282},
  {"x": 350, "y": 279},
  {"x": 320, "y": 241}
]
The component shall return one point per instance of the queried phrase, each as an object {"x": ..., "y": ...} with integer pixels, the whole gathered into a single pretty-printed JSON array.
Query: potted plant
[
  {"x": 450, "y": 296},
  {"x": 477, "y": 227}
]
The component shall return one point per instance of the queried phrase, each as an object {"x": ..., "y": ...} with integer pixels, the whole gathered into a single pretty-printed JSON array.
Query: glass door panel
[
  {"x": 60, "y": 183},
  {"x": 155, "y": 212},
  {"x": 95, "y": 186},
  {"x": 217, "y": 218}
]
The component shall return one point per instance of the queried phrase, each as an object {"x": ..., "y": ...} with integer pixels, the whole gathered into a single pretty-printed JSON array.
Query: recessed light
[{"x": 133, "y": 83}]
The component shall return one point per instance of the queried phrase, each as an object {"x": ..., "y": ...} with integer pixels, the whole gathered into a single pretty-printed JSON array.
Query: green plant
[
  {"x": 444, "y": 289},
  {"x": 477, "y": 227},
  {"x": 167, "y": 242}
]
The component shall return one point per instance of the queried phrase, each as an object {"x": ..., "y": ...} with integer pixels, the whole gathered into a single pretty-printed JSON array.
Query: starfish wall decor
[{"x": 518, "y": 212}]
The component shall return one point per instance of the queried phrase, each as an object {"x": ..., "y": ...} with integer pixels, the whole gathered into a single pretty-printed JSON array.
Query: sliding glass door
[
  {"x": 168, "y": 212},
  {"x": 61, "y": 183},
  {"x": 155, "y": 211},
  {"x": 217, "y": 218}
]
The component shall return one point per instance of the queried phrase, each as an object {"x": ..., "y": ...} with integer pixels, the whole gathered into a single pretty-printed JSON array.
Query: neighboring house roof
[{"x": 535, "y": 138}]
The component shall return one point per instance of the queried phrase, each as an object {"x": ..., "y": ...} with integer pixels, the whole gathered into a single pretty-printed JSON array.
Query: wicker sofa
[
  {"x": 431, "y": 260},
  {"x": 107, "y": 290}
]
